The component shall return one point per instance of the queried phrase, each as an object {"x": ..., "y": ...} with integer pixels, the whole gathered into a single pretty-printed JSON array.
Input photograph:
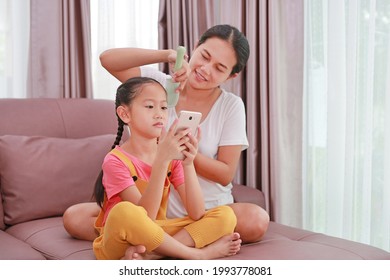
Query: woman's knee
[
  {"x": 259, "y": 224},
  {"x": 252, "y": 221},
  {"x": 79, "y": 219},
  {"x": 72, "y": 217}
]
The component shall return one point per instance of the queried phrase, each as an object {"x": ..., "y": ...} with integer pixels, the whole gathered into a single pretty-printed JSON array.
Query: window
[
  {"x": 347, "y": 119},
  {"x": 14, "y": 41},
  {"x": 120, "y": 23}
]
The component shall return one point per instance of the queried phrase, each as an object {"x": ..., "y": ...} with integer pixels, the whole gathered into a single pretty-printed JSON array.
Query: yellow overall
[{"x": 128, "y": 224}]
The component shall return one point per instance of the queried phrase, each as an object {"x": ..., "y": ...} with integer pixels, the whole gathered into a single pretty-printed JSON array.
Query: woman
[{"x": 220, "y": 54}]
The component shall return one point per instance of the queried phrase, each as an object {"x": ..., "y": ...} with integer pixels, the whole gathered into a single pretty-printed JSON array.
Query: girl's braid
[{"x": 119, "y": 133}]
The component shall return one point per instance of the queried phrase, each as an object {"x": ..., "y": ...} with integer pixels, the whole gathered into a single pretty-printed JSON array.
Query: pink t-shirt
[{"x": 117, "y": 177}]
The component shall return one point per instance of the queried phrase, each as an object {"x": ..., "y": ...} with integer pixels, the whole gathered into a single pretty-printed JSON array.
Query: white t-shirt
[{"x": 225, "y": 125}]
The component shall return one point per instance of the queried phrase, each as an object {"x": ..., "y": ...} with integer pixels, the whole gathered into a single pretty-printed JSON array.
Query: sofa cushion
[
  {"x": 282, "y": 242},
  {"x": 42, "y": 176},
  {"x": 15, "y": 249},
  {"x": 49, "y": 238}
]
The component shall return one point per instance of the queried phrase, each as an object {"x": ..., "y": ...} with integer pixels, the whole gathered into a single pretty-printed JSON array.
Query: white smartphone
[{"x": 188, "y": 119}]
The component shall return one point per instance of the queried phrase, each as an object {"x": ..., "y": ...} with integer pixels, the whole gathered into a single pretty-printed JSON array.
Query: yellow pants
[{"x": 128, "y": 224}]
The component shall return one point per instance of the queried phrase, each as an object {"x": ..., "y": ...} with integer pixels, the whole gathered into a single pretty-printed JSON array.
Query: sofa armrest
[{"x": 242, "y": 193}]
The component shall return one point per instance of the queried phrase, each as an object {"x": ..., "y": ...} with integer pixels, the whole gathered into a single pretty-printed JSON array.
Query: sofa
[{"x": 51, "y": 152}]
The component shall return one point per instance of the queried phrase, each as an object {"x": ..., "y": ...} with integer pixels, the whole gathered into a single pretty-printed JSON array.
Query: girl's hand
[
  {"x": 191, "y": 148},
  {"x": 171, "y": 145}
]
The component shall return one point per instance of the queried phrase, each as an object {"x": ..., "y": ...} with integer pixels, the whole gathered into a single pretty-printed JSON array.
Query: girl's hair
[
  {"x": 125, "y": 95},
  {"x": 235, "y": 37}
]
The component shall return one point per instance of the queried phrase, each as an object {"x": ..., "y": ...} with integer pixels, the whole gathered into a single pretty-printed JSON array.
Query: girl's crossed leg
[{"x": 208, "y": 238}]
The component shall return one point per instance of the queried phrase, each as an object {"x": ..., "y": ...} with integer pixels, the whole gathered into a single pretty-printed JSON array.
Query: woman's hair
[
  {"x": 125, "y": 95},
  {"x": 235, "y": 37}
]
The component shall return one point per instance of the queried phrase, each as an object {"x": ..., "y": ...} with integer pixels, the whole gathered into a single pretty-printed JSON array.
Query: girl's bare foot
[
  {"x": 139, "y": 253},
  {"x": 134, "y": 253},
  {"x": 227, "y": 245}
]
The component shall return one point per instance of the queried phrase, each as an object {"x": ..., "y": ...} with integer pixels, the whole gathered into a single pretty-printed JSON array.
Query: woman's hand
[{"x": 180, "y": 75}]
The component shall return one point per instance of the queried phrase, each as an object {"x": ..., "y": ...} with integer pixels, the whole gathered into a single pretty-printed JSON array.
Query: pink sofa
[{"x": 50, "y": 154}]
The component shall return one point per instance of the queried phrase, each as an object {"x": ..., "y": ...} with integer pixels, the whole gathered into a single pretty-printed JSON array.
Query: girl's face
[
  {"x": 211, "y": 64},
  {"x": 148, "y": 111}
]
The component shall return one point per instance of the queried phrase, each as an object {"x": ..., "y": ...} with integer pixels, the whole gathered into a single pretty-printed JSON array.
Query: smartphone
[{"x": 189, "y": 119}]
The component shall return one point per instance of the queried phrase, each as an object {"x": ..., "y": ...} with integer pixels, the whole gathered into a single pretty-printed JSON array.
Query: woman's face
[{"x": 211, "y": 64}]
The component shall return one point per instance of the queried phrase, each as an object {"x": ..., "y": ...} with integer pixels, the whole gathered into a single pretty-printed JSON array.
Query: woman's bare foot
[{"x": 227, "y": 245}]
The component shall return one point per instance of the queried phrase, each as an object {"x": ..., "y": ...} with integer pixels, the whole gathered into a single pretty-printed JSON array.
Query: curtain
[
  {"x": 274, "y": 84},
  {"x": 285, "y": 109},
  {"x": 182, "y": 22},
  {"x": 346, "y": 151},
  {"x": 60, "y": 49},
  {"x": 14, "y": 36},
  {"x": 271, "y": 87}
]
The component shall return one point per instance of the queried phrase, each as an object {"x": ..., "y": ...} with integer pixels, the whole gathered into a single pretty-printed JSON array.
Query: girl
[
  {"x": 220, "y": 54},
  {"x": 134, "y": 185}
]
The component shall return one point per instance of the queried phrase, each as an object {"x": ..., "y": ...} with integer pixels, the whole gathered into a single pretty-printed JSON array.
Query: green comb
[{"x": 172, "y": 96}]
